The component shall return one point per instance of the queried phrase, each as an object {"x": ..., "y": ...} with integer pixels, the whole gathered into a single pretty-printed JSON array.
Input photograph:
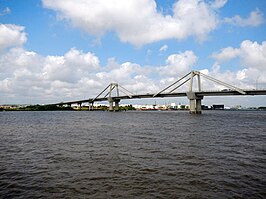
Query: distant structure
[
  {"x": 112, "y": 93},
  {"x": 218, "y": 107}
]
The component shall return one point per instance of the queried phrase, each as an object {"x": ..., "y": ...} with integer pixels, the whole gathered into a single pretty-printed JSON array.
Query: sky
[{"x": 61, "y": 50}]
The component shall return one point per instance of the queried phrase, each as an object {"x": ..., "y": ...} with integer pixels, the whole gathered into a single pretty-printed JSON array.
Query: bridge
[{"x": 112, "y": 93}]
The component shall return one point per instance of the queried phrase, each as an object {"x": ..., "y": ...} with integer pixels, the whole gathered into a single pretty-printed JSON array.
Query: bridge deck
[{"x": 180, "y": 94}]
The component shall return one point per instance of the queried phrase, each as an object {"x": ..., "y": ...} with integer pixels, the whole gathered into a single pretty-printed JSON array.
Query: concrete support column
[
  {"x": 111, "y": 104},
  {"x": 192, "y": 106},
  {"x": 117, "y": 105},
  {"x": 195, "y": 103},
  {"x": 90, "y": 106},
  {"x": 198, "y": 106}
]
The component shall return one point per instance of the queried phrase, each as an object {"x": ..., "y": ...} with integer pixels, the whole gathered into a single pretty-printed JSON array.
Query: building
[{"x": 218, "y": 107}]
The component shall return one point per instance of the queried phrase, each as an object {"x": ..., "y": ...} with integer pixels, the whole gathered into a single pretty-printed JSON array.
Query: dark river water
[{"x": 219, "y": 154}]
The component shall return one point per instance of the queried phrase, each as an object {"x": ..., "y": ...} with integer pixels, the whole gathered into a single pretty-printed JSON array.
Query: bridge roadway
[{"x": 199, "y": 94}]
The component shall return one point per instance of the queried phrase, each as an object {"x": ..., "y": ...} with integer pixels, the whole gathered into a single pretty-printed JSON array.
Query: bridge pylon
[
  {"x": 112, "y": 93},
  {"x": 194, "y": 99}
]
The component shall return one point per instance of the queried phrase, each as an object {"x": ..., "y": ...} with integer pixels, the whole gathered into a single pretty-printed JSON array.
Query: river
[{"x": 160, "y": 154}]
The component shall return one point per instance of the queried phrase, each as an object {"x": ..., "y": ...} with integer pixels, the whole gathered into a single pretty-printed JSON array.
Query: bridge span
[{"x": 111, "y": 93}]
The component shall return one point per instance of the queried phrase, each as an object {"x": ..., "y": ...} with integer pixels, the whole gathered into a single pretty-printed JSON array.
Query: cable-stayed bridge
[{"x": 112, "y": 93}]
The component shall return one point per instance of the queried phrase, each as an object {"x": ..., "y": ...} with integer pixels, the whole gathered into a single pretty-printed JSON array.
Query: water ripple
[{"x": 132, "y": 155}]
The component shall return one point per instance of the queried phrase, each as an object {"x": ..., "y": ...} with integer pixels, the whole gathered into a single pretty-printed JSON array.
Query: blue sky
[{"x": 78, "y": 47}]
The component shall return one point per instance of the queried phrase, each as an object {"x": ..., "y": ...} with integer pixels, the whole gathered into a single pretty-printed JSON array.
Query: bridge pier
[
  {"x": 90, "y": 106},
  {"x": 117, "y": 105},
  {"x": 195, "y": 106},
  {"x": 195, "y": 103},
  {"x": 112, "y": 106}
]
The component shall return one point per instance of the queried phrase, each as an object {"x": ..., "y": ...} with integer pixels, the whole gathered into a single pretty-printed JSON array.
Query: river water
[{"x": 219, "y": 154}]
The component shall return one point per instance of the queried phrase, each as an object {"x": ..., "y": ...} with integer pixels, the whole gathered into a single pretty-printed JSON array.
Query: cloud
[
  {"x": 137, "y": 21},
  {"x": 230, "y": 77},
  {"x": 218, "y": 4},
  {"x": 5, "y": 11},
  {"x": 178, "y": 64},
  {"x": 79, "y": 75},
  {"x": 251, "y": 54},
  {"x": 74, "y": 75},
  {"x": 163, "y": 48},
  {"x": 226, "y": 54},
  {"x": 20, "y": 73},
  {"x": 11, "y": 35},
  {"x": 240, "y": 75},
  {"x": 252, "y": 57},
  {"x": 25, "y": 73},
  {"x": 132, "y": 76},
  {"x": 254, "y": 19},
  {"x": 18, "y": 58},
  {"x": 71, "y": 67}
]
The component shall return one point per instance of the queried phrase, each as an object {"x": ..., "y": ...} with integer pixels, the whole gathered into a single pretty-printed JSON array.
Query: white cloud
[
  {"x": 233, "y": 78},
  {"x": 218, "y": 4},
  {"x": 11, "y": 35},
  {"x": 78, "y": 75},
  {"x": 163, "y": 48},
  {"x": 17, "y": 58},
  {"x": 70, "y": 67},
  {"x": 242, "y": 74},
  {"x": 178, "y": 64},
  {"x": 196, "y": 14},
  {"x": 138, "y": 21},
  {"x": 252, "y": 56},
  {"x": 254, "y": 19},
  {"x": 87, "y": 61},
  {"x": 74, "y": 75},
  {"x": 226, "y": 54},
  {"x": 24, "y": 73},
  {"x": 5, "y": 11},
  {"x": 4, "y": 86},
  {"x": 130, "y": 75}
]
